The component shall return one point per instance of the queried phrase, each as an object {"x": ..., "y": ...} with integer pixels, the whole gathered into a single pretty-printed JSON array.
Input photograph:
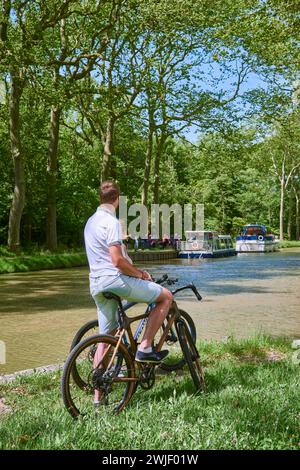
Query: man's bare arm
[{"x": 123, "y": 264}]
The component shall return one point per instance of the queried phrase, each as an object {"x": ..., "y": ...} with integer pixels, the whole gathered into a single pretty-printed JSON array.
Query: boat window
[
  {"x": 254, "y": 231},
  {"x": 222, "y": 242}
]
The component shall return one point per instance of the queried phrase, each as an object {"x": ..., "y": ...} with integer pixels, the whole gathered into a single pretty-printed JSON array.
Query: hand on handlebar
[
  {"x": 171, "y": 281},
  {"x": 147, "y": 276},
  {"x": 165, "y": 279}
]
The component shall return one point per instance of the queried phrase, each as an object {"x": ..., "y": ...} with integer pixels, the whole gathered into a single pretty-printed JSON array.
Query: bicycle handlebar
[
  {"x": 161, "y": 280},
  {"x": 167, "y": 279},
  {"x": 197, "y": 294},
  {"x": 170, "y": 281},
  {"x": 189, "y": 286}
]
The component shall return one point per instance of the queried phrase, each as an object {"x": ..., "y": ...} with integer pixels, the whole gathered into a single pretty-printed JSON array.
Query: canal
[{"x": 40, "y": 311}]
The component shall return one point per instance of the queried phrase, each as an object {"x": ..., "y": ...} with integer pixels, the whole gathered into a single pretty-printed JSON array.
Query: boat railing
[
  {"x": 193, "y": 245},
  {"x": 255, "y": 237}
]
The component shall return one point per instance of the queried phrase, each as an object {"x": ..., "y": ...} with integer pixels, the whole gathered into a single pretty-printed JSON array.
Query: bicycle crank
[
  {"x": 99, "y": 379},
  {"x": 147, "y": 377}
]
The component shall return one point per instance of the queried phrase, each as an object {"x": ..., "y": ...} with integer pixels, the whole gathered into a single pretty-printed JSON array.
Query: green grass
[
  {"x": 36, "y": 260},
  {"x": 290, "y": 244},
  {"x": 252, "y": 402},
  {"x": 36, "y": 251},
  {"x": 41, "y": 261}
]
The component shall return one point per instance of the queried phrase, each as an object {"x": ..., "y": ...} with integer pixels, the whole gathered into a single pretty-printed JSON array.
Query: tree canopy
[{"x": 179, "y": 101}]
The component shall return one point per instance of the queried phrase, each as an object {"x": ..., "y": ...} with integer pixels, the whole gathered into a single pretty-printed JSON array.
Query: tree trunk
[
  {"x": 297, "y": 213},
  {"x": 158, "y": 154},
  {"x": 297, "y": 220},
  {"x": 52, "y": 177},
  {"x": 108, "y": 149},
  {"x": 281, "y": 215},
  {"x": 147, "y": 165},
  {"x": 27, "y": 229},
  {"x": 6, "y": 7},
  {"x": 289, "y": 226},
  {"x": 223, "y": 213},
  {"x": 270, "y": 216},
  {"x": 18, "y": 200}
]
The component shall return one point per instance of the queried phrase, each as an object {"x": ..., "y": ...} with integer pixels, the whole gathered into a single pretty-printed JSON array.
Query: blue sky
[{"x": 253, "y": 81}]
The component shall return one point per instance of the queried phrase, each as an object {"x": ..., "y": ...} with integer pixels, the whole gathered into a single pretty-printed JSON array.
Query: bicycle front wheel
[
  {"x": 115, "y": 385},
  {"x": 191, "y": 355},
  {"x": 89, "y": 329},
  {"x": 175, "y": 360}
]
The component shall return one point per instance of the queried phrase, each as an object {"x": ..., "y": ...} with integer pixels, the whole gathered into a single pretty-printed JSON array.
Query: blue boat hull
[{"x": 204, "y": 254}]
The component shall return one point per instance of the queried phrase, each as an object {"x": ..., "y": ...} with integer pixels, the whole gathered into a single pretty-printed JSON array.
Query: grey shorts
[{"x": 126, "y": 287}]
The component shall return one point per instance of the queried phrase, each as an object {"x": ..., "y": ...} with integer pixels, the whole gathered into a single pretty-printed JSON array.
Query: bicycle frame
[
  {"x": 151, "y": 306},
  {"x": 125, "y": 328}
]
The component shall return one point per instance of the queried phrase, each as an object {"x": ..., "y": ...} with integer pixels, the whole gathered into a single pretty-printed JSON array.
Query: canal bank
[
  {"x": 46, "y": 261},
  {"x": 41, "y": 262}
]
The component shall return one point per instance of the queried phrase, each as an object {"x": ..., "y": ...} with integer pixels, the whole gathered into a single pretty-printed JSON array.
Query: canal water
[{"x": 242, "y": 295}]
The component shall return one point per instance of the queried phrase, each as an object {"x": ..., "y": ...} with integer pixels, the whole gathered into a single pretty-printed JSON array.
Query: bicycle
[
  {"x": 172, "y": 362},
  {"x": 117, "y": 375}
]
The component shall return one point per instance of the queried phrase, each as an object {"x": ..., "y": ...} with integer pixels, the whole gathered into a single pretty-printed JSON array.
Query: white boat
[
  {"x": 205, "y": 244},
  {"x": 255, "y": 238}
]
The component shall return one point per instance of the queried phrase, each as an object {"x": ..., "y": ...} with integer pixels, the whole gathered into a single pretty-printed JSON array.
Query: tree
[
  {"x": 177, "y": 94},
  {"x": 21, "y": 32},
  {"x": 115, "y": 87},
  {"x": 69, "y": 65},
  {"x": 284, "y": 153}
]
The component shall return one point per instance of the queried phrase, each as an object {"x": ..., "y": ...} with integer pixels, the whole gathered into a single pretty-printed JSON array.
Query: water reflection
[{"x": 226, "y": 275}]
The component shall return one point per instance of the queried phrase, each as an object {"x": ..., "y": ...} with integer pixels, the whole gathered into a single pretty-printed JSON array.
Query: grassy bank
[
  {"x": 10, "y": 262},
  {"x": 41, "y": 261},
  {"x": 290, "y": 244},
  {"x": 252, "y": 402},
  {"x": 35, "y": 261}
]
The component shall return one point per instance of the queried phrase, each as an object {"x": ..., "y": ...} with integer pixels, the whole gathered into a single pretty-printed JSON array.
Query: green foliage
[
  {"x": 41, "y": 261},
  {"x": 183, "y": 61}
]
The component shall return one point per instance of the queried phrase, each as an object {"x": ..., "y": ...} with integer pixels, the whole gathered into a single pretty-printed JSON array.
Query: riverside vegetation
[{"x": 43, "y": 259}]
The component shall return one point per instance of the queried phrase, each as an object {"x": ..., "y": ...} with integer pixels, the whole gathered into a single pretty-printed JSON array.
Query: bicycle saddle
[{"x": 110, "y": 295}]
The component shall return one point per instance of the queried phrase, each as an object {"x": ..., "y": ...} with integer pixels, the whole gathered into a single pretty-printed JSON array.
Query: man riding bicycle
[{"x": 110, "y": 271}]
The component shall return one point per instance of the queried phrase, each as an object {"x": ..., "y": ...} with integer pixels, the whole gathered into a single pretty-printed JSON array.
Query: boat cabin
[
  {"x": 255, "y": 232},
  {"x": 205, "y": 240}
]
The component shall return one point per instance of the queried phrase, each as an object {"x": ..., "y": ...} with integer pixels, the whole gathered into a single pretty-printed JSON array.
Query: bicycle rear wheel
[
  {"x": 90, "y": 328},
  {"x": 115, "y": 384},
  {"x": 191, "y": 355}
]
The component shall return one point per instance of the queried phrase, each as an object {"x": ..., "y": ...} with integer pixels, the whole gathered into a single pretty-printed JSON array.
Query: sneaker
[
  {"x": 101, "y": 402},
  {"x": 152, "y": 357},
  {"x": 116, "y": 371}
]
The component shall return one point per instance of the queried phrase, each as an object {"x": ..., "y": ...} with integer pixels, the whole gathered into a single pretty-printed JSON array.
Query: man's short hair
[{"x": 109, "y": 192}]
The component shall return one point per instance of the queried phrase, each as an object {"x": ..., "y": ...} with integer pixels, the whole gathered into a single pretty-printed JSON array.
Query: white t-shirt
[{"x": 102, "y": 230}]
